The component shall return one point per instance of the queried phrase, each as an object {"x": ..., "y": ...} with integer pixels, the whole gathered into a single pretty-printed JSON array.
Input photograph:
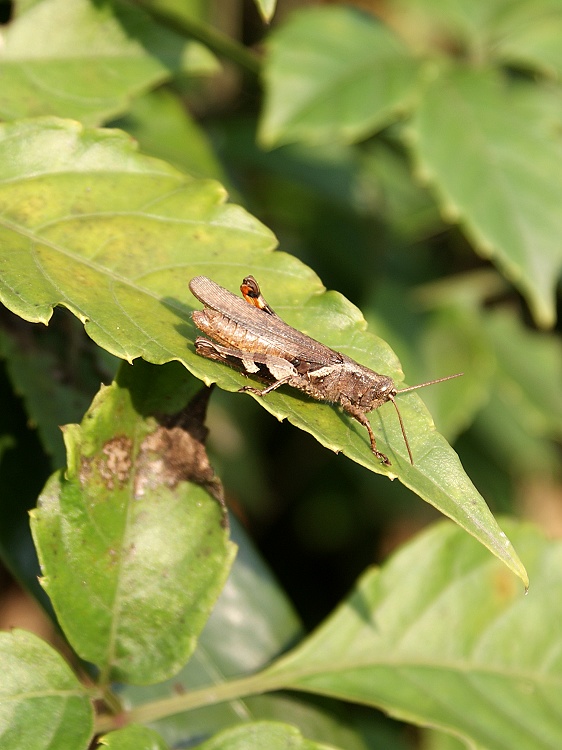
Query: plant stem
[
  {"x": 253, "y": 685},
  {"x": 218, "y": 42}
]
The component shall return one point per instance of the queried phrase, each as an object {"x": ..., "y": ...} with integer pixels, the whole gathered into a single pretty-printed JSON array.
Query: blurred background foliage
[{"x": 453, "y": 274}]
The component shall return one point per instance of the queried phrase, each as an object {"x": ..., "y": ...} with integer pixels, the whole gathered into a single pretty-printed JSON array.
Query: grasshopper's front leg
[{"x": 360, "y": 416}]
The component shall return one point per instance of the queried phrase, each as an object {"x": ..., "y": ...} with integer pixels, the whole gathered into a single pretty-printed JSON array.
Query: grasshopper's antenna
[
  {"x": 429, "y": 382},
  {"x": 413, "y": 388},
  {"x": 391, "y": 398}
]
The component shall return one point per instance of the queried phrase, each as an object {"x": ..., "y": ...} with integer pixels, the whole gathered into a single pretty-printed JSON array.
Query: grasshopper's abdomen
[{"x": 227, "y": 332}]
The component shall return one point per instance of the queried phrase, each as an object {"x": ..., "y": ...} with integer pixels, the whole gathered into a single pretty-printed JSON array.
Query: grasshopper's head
[{"x": 381, "y": 390}]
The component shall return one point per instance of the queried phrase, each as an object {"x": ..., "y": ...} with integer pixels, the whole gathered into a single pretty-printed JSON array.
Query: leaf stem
[
  {"x": 227, "y": 691},
  {"x": 218, "y": 42}
]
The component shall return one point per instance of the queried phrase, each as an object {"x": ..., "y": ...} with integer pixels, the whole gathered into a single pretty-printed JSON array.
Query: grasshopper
[{"x": 250, "y": 336}]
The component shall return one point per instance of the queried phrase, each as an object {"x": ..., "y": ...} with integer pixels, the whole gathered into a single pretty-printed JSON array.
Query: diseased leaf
[
  {"x": 42, "y": 704},
  {"x": 133, "y": 553},
  {"x": 115, "y": 237}
]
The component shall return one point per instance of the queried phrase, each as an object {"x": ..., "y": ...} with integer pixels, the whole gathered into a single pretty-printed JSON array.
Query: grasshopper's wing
[{"x": 270, "y": 329}]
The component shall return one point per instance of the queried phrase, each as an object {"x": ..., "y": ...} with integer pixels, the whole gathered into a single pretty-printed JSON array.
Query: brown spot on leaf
[
  {"x": 116, "y": 467},
  {"x": 175, "y": 452},
  {"x": 505, "y": 585}
]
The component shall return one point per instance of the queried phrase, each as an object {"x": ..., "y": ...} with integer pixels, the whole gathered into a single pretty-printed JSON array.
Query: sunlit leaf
[
  {"x": 85, "y": 60},
  {"x": 266, "y": 8},
  {"x": 440, "y": 636},
  {"x": 115, "y": 237}
]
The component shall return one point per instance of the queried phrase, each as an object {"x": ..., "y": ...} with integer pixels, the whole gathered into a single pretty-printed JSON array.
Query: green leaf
[
  {"x": 453, "y": 338},
  {"x": 529, "y": 371},
  {"x": 268, "y": 629},
  {"x": 524, "y": 411},
  {"x": 266, "y": 8},
  {"x": 161, "y": 124},
  {"x": 55, "y": 383},
  {"x": 401, "y": 202},
  {"x": 435, "y": 740},
  {"x": 461, "y": 26},
  {"x": 492, "y": 154},
  {"x": 264, "y": 734},
  {"x": 528, "y": 34},
  {"x": 332, "y": 74},
  {"x": 133, "y": 737},
  {"x": 441, "y": 636},
  {"x": 85, "y": 60},
  {"x": 42, "y": 704},
  {"x": 115, "y": 237},
  {"x": 133, "y": 556}
]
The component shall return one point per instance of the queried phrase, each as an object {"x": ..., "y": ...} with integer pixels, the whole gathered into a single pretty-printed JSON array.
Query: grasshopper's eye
[{"x": 385, "y": 387}]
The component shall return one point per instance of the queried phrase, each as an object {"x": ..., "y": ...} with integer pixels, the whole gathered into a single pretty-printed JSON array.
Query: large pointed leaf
[
  {"x": 441, "y": 636},
  {"x": 80, "y": 59},
  {"x": 42, "y": 704},
  {"x": 115, "y": 237},
  {"x": 493, "y": 155},
  {"x": 334, "y": 73},
  {"x": 133, "y": 555}
]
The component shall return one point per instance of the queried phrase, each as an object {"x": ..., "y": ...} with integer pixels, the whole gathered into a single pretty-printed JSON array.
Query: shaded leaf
[
  {"x": 442, "y": 637},
  {"x": 529, "y": 371},
  {"x": 401, "y": 202},
  {"x": 162, "y": 125},
  {"x": 55, "y": 384},
  {"x": 42, "y": 704},
  {"x": 263, "y": 734},
  {"x": 493, "y": 157},
  {"x": 332, "y": 74},
  {"x": 115, "y": 237},
  {"x": 133, "y": 555},
  {"x": 85, "y": 60},
  {"x": 435, "y": 740},
  {"x": 504, "y": 432},
  {"x": 453, "y": 339},
  {"x": 133, "y": 737}
]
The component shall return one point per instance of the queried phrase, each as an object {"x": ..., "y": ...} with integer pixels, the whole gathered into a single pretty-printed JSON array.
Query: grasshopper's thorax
[{"x": 352, "y": 383}]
